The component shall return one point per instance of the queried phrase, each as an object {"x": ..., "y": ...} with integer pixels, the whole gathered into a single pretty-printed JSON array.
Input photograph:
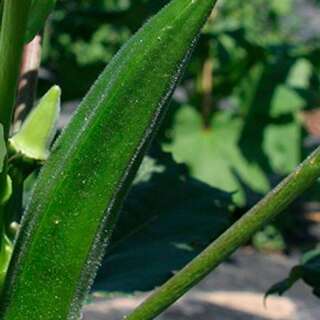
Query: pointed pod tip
[
  {"x": 39, "y": 128},
  {"x": 56, "y": 88},
  {"x": 51, "y": 98},
  {"x": 54, "y": 91}
]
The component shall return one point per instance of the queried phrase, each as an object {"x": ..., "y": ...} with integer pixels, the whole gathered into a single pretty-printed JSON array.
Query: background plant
[
  {"x": 241, "y": 66},
  {"x": 233, "y": 71}
]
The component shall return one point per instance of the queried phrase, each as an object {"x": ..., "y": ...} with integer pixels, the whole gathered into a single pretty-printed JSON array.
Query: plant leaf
[
  {"x": 246, "y": 145},
  {"x": 213, "y": 154},
  {"x": 311, "y": 270},
  {"x": 269, "y": 238},
  {"x": 39, "y": 12},
  {"x": 36, "y": 134},
  {"x": 163, "y": 233},
  {"x": 78, "y": 194},
  {"x": 281, "y": 287},
  {"x": 308, "y": 271}
]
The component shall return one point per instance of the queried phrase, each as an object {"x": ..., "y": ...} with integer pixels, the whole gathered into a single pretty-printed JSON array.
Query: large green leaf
[
  {"x": 167, "y": 220},
  {"x": 77, "y": 197},
  {"x": 271, "y": 135},
  {"x": 213, "y": 154},
  {"x": 245, "y": 149}
]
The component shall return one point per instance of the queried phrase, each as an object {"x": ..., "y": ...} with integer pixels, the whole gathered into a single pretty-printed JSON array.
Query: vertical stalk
[
  {"x": 271, "y": 205},
  {"x": 13, "y": 28},
  {"x": 14, "y": 23},
  {"x": 206, "y": 88},
  {"x": 204, "y": 85},
  {"x": 1, "y": 10},
  {"x": 13, "y": 207}
]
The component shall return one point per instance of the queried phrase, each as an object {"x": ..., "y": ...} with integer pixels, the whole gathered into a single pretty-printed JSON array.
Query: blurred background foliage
[
  {"x": 238, "y": 116},
  {"x": 246, "y": 112}
]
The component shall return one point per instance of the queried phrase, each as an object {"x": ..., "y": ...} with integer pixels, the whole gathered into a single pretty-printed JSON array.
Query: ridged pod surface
[{"x": 77, "y": 197}]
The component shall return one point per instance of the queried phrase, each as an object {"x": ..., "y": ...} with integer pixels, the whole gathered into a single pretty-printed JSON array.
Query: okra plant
[{"x": 50, "y": 256}]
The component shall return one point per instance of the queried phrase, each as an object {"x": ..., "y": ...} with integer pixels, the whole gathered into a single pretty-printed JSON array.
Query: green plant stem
[
  {"x": 1, "y": 10},
  {"x": 274, "y": 202},
  {"x": 13, "y": 208},
  {"x": 14, "y": 23},
  {"x": 13, "y": 28}
]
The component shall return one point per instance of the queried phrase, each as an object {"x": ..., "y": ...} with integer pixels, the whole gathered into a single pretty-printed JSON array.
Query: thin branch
[
  {"x": 207, "y": 86},
  {"x": 12, "y": 36},
  {"x": 238, "y": 234},
  {"x": 14, "y": 23}
]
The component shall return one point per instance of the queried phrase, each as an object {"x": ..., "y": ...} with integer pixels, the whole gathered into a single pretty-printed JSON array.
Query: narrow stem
[
  {"x": 207, "y": 86},
  {"x": 13, "y": 28},
  {"x": 1, "y": 10},
  {"x": 271, "y": 205},
  {"x": 14, "y": 23},
  {"x": 13, "y": 208}
]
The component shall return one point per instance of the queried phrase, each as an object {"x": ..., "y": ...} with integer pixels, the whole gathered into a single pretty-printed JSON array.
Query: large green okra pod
[{"x": 77, "y": 197}]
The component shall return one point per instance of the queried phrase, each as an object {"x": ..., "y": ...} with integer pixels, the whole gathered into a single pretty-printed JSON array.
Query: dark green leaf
[
  {"x": 308, "y": 271},
  {"x": 39, "y": 12},
  {"x": 166, "y": 221},
  {"x": 281, "y": 287}
]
